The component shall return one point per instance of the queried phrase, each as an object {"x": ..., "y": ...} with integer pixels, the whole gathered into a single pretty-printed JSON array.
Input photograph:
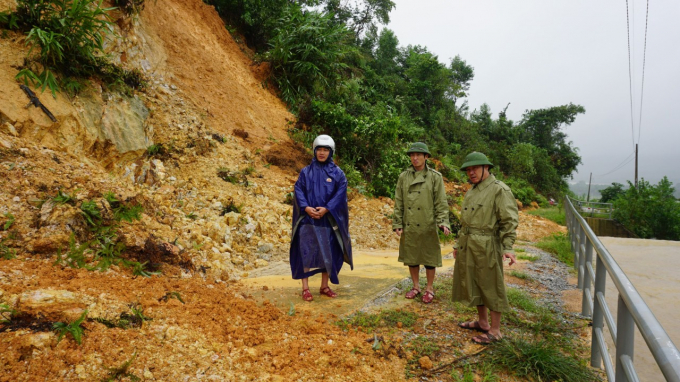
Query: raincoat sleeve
[
  {"x": 339, "y": 198},
  {"x": 508, "y": 218},
  {"x": 397, "y": 216},
  {"x": 300, "y": 187},
  {"x": 441, "y": 208}
]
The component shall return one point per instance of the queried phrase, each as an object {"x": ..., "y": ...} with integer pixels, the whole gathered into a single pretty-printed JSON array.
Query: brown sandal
[
  {"x": 486, "y": 339},
  {"x": 307, "y": 295},
  {"x": 327, "y": 292},
  {"x": 428, "y": 297},
  {"x": 472, "y": 325},
  {"x": 413, "y": 293}
]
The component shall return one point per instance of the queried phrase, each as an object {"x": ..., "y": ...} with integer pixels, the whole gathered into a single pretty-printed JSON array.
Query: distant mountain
[{"x": 581, "y": 189}]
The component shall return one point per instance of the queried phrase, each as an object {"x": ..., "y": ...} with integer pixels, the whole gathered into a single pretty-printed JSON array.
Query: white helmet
[{"x": 324, "y": 141}]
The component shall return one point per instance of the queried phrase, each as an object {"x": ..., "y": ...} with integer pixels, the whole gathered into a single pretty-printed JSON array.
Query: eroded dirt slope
[{"x": 214, "y": 209}]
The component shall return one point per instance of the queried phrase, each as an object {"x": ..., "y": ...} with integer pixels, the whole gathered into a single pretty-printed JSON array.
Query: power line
[
  {"x": 628, "y": 159},
  {"x": 630, "y": 77},
  {"x": 644, "y": 60}
]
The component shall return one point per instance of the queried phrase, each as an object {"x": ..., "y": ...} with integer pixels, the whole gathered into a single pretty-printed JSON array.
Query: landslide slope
[{"x": 213, "y": 199}]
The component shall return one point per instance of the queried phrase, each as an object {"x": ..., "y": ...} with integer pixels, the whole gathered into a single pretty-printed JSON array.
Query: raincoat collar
[
  {"x": 486, "y": 182},
  {"x": 413, "y": 169}
]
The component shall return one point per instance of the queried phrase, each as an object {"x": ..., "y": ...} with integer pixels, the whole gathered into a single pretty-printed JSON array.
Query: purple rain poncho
[{"x": 320, "y": 245}]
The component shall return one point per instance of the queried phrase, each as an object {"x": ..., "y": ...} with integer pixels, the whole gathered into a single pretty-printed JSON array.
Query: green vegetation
[
  {"x": 521, "y": 299},
  {"x": 558, "y": 244},
  {"x": 9, "y": 222},
  {"x": 343, "y": 76},
  {"x": 555, "y": 214},
  {"x": 64, "y": 198},
  {"x": 611, "y": 193},
  {"x": 103, "y": 247},
  {"x": 520, "y": 275},
  {"x": 387, "y": 318},
  {"x": 6, "y": 252},
  {"x": 125, "y": 320},
  {"x": 122, "y": 371},
  {"x": 539, "y": 360},
  {"x": 66, "y": 39},
  {"x": 649, "y": 211},
  {"x": 170, "y": 295},
  {"x": 73, "y": 328},
  {"x": 6, "y": 313},
  {"x": 527, "y": 257}
]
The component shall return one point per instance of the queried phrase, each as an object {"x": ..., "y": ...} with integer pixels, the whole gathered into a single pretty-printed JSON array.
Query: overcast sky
[{"x": 536, "y": 54}]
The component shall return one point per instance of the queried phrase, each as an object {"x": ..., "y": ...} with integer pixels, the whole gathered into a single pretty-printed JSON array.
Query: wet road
[
  {"x": 375, "y": 272},
  {"x": 653, "y": 267}
]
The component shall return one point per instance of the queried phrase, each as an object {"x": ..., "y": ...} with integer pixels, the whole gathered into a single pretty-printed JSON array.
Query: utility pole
[
  {"x": 589, "y": 182},
  {"x": 636, "y": 165}
]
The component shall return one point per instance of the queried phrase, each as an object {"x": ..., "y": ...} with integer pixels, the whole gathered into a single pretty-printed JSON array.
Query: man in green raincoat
[
  {"x": 419, "y": 208},
  {"x": 488, "y": 220}
]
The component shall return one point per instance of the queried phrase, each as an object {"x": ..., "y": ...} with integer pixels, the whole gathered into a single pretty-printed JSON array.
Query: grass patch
[
  {"x": 558, "y": 244},
  {"x": 386, "y": 318},
  {"x": 555, "y": 214},
  {"x": 522, "y": 300},
  {"x": 520, "y": 275},
  {"x": 527, "y": 257},
  {"x": 539, "y": 361}
]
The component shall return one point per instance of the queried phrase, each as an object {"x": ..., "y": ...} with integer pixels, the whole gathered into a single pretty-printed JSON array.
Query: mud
[{"x": 375, "y": 273}]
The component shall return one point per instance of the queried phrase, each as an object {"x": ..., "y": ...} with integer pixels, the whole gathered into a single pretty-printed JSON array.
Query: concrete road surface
[{"x": 653, "y": 266}]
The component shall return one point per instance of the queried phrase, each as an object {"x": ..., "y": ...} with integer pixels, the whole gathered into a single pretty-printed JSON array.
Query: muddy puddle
[{"x": 375, "y": 273}]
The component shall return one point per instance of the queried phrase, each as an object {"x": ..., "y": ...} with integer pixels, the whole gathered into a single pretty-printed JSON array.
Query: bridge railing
[{"x": 631, "y": 310}]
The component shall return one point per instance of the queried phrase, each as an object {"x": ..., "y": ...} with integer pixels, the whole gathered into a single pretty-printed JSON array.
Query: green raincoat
[
  {"x": 419, "y": 208},
  {"x": 489, "y": 219}
]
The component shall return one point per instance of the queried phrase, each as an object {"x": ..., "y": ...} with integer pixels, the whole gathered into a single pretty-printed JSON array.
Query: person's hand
[
  {"x": 321, "y": 211},
  {"x": 511, "y": 257},
  {"x": 445, "y": 229},
  {"x": 455, "y": 253},
  {"x": 312, "y": 212},
  {"x": 398, "y": 231}
]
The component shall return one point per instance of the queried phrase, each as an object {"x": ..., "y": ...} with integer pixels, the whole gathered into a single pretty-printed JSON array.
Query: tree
[
  {"x": 309, "y": 54},
  {"x": 542, "y": 128},
  {"x": 362, "y": 16},
  {"x": 649, "y": 211},
  {"x": 461, "y": 76},
  {"x": 611, "y": 193}
]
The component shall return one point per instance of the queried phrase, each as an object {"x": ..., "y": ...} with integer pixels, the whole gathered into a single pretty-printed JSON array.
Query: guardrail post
[
  {"x": 579, "y": 257},
  {"x": 625, "y": 339},
  {"x": 587, "y": 280},
  {"x": 598, "y": 312}
]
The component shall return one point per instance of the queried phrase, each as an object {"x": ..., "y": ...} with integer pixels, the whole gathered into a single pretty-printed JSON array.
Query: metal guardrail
[
  {"x": 593, "y": 208},
  {"x": 631, "y": 311}
]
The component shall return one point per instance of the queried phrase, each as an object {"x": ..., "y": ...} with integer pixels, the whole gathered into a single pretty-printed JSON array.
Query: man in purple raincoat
[{"x": 320, "y": 241}]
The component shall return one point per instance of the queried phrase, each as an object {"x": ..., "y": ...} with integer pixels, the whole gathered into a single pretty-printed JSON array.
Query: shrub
[
  {"x": 66, "y": 37},
  {"x": 73, "y": 328}
]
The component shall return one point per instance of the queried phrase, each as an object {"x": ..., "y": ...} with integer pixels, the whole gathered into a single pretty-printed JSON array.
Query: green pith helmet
[
  {"x": 476, "y": 159},
  {"x": 418, "y": 147}
]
